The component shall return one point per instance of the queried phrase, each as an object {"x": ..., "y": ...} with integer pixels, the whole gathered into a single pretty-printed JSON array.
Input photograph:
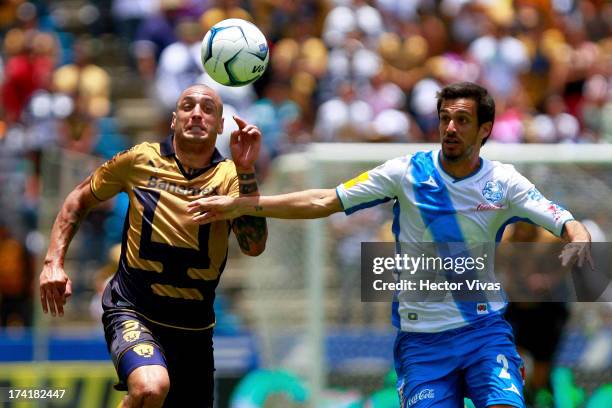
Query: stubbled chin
[{"x": 451, "y": 155}]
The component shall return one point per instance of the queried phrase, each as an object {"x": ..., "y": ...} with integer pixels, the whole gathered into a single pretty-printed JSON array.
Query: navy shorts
[{"x": 134, "y": 341}]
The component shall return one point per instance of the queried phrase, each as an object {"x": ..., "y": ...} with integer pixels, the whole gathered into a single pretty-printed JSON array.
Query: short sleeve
[
  {"x": 233, "y": 190},
  {"x": 527, "y": 202},
  {"x": 111, "y": 177},
  {"x": 372, "y": 187}
]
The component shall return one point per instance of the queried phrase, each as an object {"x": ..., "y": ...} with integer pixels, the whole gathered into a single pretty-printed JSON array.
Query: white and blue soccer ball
[{"x": 235, "y": 52}]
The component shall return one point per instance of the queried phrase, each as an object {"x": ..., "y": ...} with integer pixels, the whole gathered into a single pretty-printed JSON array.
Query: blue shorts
[{"x": 478, "y": 361}]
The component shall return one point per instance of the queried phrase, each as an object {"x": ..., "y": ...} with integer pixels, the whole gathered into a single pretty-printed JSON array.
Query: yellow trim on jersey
[
  {"x": 210, "y": 326},
  {"x": 359, "y": 179},
  {"x": 92, "y": 190},
  {"x": 177, "y": 293},
  {"x": 204, "y": 274}
]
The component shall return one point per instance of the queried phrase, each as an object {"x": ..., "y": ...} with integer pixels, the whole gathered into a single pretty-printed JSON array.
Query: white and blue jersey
[{"x": 432, "y": 206}]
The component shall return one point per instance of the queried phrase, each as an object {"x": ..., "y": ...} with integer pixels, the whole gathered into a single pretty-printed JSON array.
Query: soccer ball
[{"x": 234, "y": 52}]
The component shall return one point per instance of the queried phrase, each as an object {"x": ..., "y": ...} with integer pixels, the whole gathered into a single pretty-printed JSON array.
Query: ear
[
  {"x": 173, "y": 122},
  {"x": 221, "y": 123},
  {"x": 485, "y": 130}
]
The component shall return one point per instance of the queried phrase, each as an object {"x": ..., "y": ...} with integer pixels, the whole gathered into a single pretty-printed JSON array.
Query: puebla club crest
[{"x": 493, "y": 191}]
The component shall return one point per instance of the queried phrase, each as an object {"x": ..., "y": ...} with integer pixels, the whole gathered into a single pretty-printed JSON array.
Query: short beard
[{"x": 458, "y": 158}]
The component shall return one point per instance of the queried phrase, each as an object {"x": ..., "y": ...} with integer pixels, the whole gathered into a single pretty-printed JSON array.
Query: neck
[
  {"x": 461, "y": 167},
  {"x": 193, "y": 155}
]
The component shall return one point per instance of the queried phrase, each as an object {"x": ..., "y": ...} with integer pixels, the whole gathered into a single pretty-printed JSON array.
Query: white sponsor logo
[
  {"x": 430, "y": 182},
  {"x": 513, "y": 388},
  {"x": 427, "y": 393}
]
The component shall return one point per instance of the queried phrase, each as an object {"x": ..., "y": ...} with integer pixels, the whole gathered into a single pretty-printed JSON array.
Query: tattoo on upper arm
[{"x": 249, "y": 231}]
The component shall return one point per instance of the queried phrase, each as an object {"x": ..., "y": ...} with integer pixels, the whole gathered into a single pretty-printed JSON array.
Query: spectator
[
  {"x": 221, "y": 10},
  {"x": 179, "y": 63},
  {"x": 597, "y": 101},
  {"x": 16, "y": 279},
  {"x": 555, "y": 125},
  {"x": 423, "y": 109},
  {"x": 128, "y": 15},
  {"x": 502, "y": 58},
  {"x": 509, "y": 125},
  {"x": 154, "y": 34},
  {"x": 27, "y": 69},
  {"x": 87, "y": 82},
  {"x": 343, "y": 118},
  {"x": 382, "y": 94},
  {"x": 272, "y": 115}
]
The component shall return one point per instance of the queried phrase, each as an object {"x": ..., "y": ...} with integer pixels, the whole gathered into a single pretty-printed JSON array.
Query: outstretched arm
[
  {"x": 251, "y": 232},
  {"x": 55, "y": 286},
  {"x": 298, "y": 205},
  {"x": 578, "y": 249}
]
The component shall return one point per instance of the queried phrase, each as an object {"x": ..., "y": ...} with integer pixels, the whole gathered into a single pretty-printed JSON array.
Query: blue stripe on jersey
[
  {"x": 500, "y": 231},
  {"x": 434, "y": 202},
  {"x": 369, "y": 204},
  {"x": 396, "y": 321},
  {"x": 395, "y": 228}
]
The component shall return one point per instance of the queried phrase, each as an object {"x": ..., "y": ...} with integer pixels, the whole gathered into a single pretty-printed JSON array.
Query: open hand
[
  {"x": 245, "y": 144},
  {"x": 577, "y": 252},
  {"x": 211, "y": 209},
  {"x": 55, "y": 289}
]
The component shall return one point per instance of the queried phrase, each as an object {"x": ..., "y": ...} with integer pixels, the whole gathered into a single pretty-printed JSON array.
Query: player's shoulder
[
  {"x": 145, "y": 151},
  {"x": 500, "y": 169},
  {"x": 399, "y": 161},
  {"x": 147, "y": 148},
  {"x": 393, "y": 167},
  {"x": 506, "y": 174},
  {"x": 123, "y": 158}
]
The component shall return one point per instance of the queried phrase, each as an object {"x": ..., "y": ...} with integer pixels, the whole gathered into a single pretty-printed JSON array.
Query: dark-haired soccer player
[
  {"x": 444, "y": 351},
  {"x": 158, "y": 309}
]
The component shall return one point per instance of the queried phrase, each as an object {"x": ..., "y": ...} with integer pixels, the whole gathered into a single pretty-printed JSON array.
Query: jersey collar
[
  {"x": 449, "y": 177},
  {"x": 167, "y": 149}
]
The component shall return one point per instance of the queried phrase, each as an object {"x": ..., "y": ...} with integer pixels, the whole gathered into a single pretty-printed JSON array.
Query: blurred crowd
[{"x": 97, "y": 76}]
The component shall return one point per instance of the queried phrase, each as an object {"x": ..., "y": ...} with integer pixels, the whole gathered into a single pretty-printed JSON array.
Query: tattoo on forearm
[
  {"x": 258, "y": 208},
  {"x": 248, "y": 188},
  {"x": 246, "y": 176},
  {"x": 250, "y": 231}
]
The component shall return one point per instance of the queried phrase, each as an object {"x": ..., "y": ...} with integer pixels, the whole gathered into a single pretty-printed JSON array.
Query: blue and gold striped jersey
[{"x": 170, "y": 266}]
